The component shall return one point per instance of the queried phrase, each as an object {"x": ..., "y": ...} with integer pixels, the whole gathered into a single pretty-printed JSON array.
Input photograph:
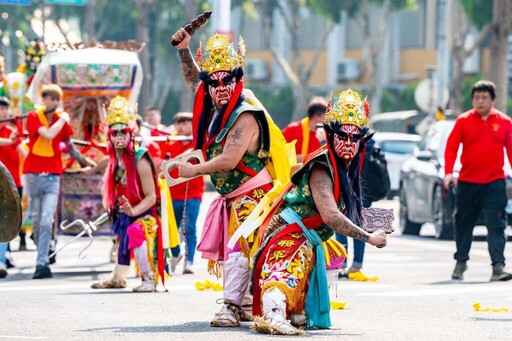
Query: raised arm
[
  {"x": 242, "y": 137},
  {"x": 321, "y": 186},
  {"x": 51, "y": 132},
  {"x": 189, "y": 68}
]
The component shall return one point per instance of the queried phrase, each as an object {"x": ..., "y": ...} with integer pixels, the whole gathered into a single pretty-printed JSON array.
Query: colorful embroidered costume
[
  {"x": 220, "y": 101},
  {"x": 139, "y": 234},
  {"x": 289, "y": 275}
]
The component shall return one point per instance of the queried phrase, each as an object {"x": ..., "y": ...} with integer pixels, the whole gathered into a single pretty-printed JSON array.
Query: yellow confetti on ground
[
  {"x": 478, "y": 307},
  {"x": 207, "y": 284},
  {"x": 338, "y": 305},
  {"x": 361, "y": 277}
]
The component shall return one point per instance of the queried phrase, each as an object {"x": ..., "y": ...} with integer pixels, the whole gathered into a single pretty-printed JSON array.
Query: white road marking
[
  {"x": 436, "y": 291},
  {"x": 22, "y": 337}
]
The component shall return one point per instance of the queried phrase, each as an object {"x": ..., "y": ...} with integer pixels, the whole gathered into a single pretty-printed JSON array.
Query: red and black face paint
[{"x": 347, "y": 140}]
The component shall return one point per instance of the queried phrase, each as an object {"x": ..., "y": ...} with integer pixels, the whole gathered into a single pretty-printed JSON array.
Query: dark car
[{"x": 423, "y": 199}]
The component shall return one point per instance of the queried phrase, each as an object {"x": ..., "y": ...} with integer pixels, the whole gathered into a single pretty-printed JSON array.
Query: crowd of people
[{"x": 281, "y": 212}]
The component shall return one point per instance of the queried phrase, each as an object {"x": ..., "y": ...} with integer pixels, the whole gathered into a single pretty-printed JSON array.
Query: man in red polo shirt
[
  {"x": 180, "y": 194},
  {"x": 47, "y": 127},
  {"x": 483, "y": 132},
  {"x": 305, "y": 130}
]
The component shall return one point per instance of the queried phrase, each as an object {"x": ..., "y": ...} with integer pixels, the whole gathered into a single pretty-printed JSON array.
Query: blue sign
[
  {"x": 16, "y": 2},
  {"x": 67, "y": 2}
]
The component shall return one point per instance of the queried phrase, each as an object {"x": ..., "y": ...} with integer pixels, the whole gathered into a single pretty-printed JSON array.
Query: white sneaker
[
  {"x": 147, "y": 285},
  {"x": 175, "y": 261},
  {"x": 187, "y": 268}
]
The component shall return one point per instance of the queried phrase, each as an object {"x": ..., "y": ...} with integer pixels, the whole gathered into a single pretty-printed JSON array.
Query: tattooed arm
[
  {"x": 242, "y": 137},
  {"x": 321, "y": 186},
  {"x": 188, "y": 65}
]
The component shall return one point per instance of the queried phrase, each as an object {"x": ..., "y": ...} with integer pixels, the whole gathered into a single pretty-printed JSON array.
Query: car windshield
[{"x": 398, "y": 147}]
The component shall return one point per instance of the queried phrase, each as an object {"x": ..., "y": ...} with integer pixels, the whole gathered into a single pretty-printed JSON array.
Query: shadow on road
[{"x": 453, "y": 282}]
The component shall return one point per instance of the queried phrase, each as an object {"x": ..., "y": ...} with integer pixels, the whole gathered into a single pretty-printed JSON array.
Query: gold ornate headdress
[
  {"x": 348, "y": 108},
  {"x": 220, "y": 54},
  {"x": 120, "y": 111}
]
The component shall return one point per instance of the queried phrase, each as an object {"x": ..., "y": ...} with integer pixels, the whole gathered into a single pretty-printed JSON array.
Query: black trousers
[{"x": 471, "y": 199}]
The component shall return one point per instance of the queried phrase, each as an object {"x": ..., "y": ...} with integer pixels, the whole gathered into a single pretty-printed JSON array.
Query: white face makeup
[
  {"x": 221, "y": 91},
  {"x": 120, "y": 138},
  {"x": 346, "y": 144}
]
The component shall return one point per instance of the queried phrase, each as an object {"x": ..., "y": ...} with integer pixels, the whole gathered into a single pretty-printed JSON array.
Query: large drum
[{"x": 10, "y": 206}]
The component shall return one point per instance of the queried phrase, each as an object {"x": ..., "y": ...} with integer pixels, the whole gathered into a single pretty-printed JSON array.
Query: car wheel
[
  {"x": 407, "y": 226},
  {"x": 441, "y": 213}
]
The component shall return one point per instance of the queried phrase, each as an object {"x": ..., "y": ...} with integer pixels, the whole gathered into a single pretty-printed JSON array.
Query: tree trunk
[
  {"x": 143, "y": 36},
  {"x": 498, "y": 71},
  {"x": 90, "y": 21}
]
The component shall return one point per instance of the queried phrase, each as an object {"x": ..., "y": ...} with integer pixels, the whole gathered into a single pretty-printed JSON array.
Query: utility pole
[{"x": 442, "y": 52}]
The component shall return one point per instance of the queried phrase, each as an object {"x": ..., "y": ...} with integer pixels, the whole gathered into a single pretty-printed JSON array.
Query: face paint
[
  {"x": 221, "y": 88},
  {"x": 120, "y": 138},
  {"x": 347, "y": 141}
]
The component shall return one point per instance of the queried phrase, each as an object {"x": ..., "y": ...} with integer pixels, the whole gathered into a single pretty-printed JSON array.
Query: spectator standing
[
  {"x": 305, "y": 130},
  {"x": 179, "y": 193},
  {"x": 483, "y": 132},
  {"x": 47, "y": 127}
]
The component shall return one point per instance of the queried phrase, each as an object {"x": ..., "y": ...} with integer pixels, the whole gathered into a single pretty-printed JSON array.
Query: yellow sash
[
  {"x": 43, "y": 147},
  {"x": 305, "y": 136}
]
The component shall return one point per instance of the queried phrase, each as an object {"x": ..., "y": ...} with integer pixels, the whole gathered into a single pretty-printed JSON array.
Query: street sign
[
  {"x": 16, "y": 2},
  {"x": 66, "y": 2}
]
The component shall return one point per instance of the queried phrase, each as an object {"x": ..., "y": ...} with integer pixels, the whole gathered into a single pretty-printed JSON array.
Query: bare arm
[
  {"x": 84, "y": 161},
  {"x": 189, "y": 68},
  {"x": 21, "y": 150},
  {"x": 6, "y": 141},
  {"x": 188, "y": 65},
  {"x": 321, "y": 186},
  {"x": 50, "y": 133},
  {"x": 148, "y": 189},
  {"x": 242, "y": 137}
]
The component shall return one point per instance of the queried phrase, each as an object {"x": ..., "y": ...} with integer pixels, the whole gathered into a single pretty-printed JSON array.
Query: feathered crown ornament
[
  {"x": 220, "y": 54},
  {"x": 120, "y": 111},
  {"x": 348, "y": 108}
]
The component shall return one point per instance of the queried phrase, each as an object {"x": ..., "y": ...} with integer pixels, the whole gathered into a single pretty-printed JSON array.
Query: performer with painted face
[
  {"x": 130, "y": 196},
  {"x": 237, "y": 137},
  {"x": 289, "y": 276}
]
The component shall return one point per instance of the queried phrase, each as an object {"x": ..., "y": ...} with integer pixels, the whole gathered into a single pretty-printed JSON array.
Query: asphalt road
[{"x": 414, "y": 299}]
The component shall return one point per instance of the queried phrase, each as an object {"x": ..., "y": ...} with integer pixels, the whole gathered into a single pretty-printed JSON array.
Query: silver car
[
  {"x": 397, "y": 147},
  {"x": 422, "y": 195}
]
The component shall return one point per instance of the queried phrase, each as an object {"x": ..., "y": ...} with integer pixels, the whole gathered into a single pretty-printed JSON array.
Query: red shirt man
[
  {"x": 296, "y": 130},
  {"x": 483, "y": 132}
]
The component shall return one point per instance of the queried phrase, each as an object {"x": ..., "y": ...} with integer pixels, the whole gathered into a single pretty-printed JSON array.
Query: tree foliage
[{"x": 479, "y": 12}]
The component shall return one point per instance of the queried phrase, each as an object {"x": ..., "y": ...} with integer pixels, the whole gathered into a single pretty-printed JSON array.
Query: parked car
[
  {"x": 397, "y": 147},
  {"x": 398, "y": 121},
  {"x": 422, "y": 195}
]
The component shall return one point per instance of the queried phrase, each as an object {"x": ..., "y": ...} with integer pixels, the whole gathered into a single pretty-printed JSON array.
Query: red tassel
[
  {"x": 160, "y": 252},
  {"x": 198, "y": 109}
]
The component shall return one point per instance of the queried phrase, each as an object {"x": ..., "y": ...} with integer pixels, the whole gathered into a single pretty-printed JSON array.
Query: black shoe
[
  {"x": 9, "y": 263},
  {"x": 3, "y": 273},
  {"x": 42, "y": 272},
  {"x": 499, "y": 273},
  {"x": 458, "y": 272}
]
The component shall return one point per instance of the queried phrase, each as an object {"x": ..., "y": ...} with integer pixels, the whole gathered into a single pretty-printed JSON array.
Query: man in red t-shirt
[
  {"x": 180, "y": 194},
  {"x": 296, "y": 130},
  {"x": 483, "y": 133},
  {"x": 47, "y": 128},
  {"x": 11, "y": 148}
]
